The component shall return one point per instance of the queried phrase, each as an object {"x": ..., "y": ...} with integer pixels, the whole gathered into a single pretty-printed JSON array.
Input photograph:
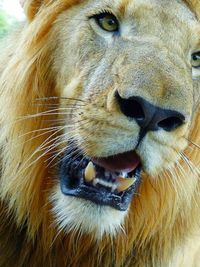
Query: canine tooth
[
  {"x": 90, "y": 172},
  {"x": 124, "y": 184}
]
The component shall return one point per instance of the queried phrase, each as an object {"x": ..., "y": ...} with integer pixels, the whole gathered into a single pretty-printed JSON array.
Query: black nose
[{"x": 148, "y": 116}]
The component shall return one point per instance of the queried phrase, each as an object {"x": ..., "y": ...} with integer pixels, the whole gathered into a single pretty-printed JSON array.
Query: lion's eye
[
  {"x": 107, "y": 22},
  {"x": 196, "y": 60}
]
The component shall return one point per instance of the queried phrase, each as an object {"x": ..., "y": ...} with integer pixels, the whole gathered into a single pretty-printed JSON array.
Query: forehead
[
  {"x": 158, "y": 17},
  {"x": 176, "y": 8}
]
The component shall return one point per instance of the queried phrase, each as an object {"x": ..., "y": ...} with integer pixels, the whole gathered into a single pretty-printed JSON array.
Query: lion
[{"x": 99, "y": 135}]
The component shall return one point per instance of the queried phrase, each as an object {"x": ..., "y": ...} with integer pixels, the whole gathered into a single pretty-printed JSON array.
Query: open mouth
[{"x": 110, "y": 181}]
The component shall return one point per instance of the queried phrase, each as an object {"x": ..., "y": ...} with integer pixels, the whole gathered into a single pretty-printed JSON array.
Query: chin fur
[{"x": 85, "y": 217}]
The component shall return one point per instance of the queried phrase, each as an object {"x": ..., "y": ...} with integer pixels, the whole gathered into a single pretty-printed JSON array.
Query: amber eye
[
  {"x": 107, "y": 22},
  {"x": 196, "y": 60}
]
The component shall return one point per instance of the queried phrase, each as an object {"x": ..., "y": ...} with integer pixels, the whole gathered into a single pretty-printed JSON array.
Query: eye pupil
[
  {"x": 195, "y": 57},
  {"x": 111, "y": 22},
  {"x": 107, "y": 22}
]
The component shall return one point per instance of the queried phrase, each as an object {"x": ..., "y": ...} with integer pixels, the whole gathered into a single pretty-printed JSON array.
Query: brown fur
[{"x": 161, "y": 217}]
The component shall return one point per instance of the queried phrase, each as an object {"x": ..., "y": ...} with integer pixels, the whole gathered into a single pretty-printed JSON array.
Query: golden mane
[
  {"x": 194, "y": 5},
  {"x": 25, "y": 186}
]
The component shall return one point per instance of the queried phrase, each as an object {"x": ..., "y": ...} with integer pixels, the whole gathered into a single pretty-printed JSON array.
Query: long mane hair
[{"x": 161, "y": 214}]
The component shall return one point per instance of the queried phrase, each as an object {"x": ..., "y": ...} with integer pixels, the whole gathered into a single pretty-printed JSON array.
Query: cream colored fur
[{"x": 60, "y": 54}]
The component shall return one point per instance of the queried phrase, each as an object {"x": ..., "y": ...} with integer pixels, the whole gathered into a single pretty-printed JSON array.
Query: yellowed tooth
[
  {"x": 90, "y": 172},
  {"x": 124, "y": 183}
]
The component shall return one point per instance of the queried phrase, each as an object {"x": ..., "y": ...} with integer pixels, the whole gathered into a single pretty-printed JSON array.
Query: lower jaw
[
  {"x": 103, "y": 197},
  {"x": 78, "y": 215},
  {"x": 73, "y": 184}
]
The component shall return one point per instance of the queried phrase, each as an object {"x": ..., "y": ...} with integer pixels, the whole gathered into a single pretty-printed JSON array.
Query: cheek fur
[{"x": 158, "y": 156}]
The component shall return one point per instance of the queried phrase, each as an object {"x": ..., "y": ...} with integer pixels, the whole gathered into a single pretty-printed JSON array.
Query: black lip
[{"x": 74, "y": 185}]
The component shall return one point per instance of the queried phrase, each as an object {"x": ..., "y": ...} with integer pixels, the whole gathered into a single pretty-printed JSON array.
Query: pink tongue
[{"x": 125, "y": 162}]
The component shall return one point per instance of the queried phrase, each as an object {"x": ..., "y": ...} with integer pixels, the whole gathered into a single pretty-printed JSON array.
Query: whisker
[
  {"x": 62, "y": 150},
  {"x": 57, "y": 129},
  {"x": 73, "y": 152},
  {"x": 59, "y": 104},
  {"x": 190, "y": 164},
  {"x": 52, "y": 111},
  {"x": 48, "y": 129},
  {"x": 193, "y": 143},
  {"x": 57, "y": 98},
  {"x": 171, "y": 180},
  {"x": 40, "y": 130},
  {"x": 39, "y": 149},
  {"x": 54, "y": 145},
  {"x": 41, "y": 115}
]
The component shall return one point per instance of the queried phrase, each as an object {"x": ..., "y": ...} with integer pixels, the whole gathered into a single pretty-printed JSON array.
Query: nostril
[
  {"x": 171, "y": 123},
  {"x": 148, "y": 116},
  {"x": 131, "y": 108}
]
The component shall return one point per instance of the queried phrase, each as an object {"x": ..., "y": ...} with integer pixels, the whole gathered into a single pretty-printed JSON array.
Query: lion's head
[{"x": 100, "y": 119}]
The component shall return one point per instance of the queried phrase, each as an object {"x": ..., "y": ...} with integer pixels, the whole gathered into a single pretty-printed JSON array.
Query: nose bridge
[
  {"x": 146, "y": 66},
  {"x": 148, "y": 78},
  {"x": 149, "y": 72}
]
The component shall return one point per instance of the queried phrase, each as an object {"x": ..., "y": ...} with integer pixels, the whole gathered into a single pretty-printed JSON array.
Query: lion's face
[{"x": 128, "y": 77}]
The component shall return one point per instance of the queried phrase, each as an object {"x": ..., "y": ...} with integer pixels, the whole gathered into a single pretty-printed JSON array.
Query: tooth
[
  {"x": 95, "y": 182},
  {"x": 124, "y": 184},
  {"x": 90, "y": 172},
  {"x": 124, "y": 174},
  {"x": 114, "y": 187}
]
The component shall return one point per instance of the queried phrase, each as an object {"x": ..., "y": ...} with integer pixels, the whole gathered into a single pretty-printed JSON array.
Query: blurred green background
[
  {"x": 4, "y": 21},
  {"x": 7, "y": 22}
]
